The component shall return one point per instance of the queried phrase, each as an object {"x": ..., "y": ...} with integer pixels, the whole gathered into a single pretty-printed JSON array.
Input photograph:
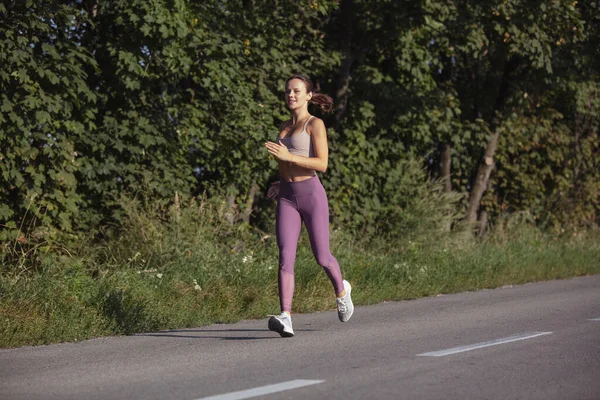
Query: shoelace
[{"x": 342, "y": 306}]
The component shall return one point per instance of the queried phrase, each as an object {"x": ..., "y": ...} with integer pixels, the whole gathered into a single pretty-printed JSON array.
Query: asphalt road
[{"x": 536, "y": 341}]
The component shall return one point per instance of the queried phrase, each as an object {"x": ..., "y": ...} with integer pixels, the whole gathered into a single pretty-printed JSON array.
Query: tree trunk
[
  {"x": 483, "y": 222},
  {"x": 230, "y": 214},
  {"x": 249, "y": 203},
  {"x": 93, "y": 8},
  {"x": 486, "y": 166},
  {"x": 483, "y": 175}
]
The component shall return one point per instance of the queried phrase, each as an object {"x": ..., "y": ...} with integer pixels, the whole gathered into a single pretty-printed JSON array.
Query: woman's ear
[{"x": 310, "y": 96}]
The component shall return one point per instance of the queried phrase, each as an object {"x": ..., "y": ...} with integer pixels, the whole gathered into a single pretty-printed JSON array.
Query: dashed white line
[
  {"x": 595, "y": 319},
  {"x": 263, "y": 390},
  {"x": 495, "y": 342}
]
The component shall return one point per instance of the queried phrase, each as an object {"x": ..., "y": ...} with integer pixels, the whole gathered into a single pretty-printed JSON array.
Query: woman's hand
[
  {"x": 279, "y": 150},
  {"x": 273, "y": 191}
]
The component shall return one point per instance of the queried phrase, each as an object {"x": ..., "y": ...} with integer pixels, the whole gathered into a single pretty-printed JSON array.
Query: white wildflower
[
  {"x": 196, "y": 286},
  {"x": 149, "y": 271},
  {"x": 159, "y": 276},
  {"x": 248, "y": 258},
  {"x": 403, "y": 264}
]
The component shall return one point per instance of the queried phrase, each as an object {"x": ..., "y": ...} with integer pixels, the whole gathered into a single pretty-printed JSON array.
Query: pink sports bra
[{"x": 299, "y": 143}]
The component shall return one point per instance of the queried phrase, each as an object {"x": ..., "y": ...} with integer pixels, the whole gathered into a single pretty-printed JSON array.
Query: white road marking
[
  {"x": 595, "y": 319},
  {"x": 263, "y": 390},
  {"x": 495, "y": 342}
]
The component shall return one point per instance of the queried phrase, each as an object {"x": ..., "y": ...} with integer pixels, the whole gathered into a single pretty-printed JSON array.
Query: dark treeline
[{"x": 493, "y": 106}]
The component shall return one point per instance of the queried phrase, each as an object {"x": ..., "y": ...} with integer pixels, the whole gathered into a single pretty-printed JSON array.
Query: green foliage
[
  {"x": 565, "y": 192},
  {"x": 164, "y": 99},
  {"x": 429, "y": 74},
  {"x": 393, "y": 199},
  {"x": 46, "y": 108},
  {"x": 139, "y": 145}
]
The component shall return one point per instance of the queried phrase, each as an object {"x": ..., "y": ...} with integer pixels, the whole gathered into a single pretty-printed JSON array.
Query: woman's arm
[
  {"x": 273, "y": 191},
  {"x": 319, "y": 162}
]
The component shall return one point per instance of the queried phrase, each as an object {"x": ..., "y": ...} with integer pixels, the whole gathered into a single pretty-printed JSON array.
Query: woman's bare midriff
[{"x": 294, "y": 173}]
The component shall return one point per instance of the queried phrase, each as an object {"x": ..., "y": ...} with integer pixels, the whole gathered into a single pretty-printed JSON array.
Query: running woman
[{"x": 301, "y": 150}]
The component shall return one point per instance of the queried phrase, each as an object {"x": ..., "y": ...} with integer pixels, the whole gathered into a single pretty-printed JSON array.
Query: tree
[{"x": 47, "y": 108}]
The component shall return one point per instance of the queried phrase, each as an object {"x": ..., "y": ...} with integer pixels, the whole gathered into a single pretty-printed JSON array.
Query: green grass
[{"x": 163, "y": 274}]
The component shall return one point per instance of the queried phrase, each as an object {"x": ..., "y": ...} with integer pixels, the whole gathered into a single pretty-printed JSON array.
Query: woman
[{"x": 301, "y": 150}]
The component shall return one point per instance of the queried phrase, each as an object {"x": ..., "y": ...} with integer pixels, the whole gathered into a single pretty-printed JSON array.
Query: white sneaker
[
  {"x": 281, "y": 324},
  {"x": 344, "y": 304}
]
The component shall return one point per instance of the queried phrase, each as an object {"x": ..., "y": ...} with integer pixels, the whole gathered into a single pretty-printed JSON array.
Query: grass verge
[{"x": 157, "y": 274}]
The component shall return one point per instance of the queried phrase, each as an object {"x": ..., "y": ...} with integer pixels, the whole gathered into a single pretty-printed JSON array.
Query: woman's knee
[{"x": 325, "y": 260}]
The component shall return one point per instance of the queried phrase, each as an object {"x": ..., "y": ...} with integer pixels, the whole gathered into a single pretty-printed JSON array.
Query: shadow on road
[{"x": 210, "y": 334}]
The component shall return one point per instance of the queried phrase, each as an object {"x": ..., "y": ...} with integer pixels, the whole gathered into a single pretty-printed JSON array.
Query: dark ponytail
[{"x": 323, "y": 101}]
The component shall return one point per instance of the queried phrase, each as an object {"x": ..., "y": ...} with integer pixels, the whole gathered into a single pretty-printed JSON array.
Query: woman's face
[{"x": 295, "y": 94}]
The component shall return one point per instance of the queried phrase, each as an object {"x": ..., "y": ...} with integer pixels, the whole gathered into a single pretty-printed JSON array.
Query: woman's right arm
[{"x": 273, "y": 191}]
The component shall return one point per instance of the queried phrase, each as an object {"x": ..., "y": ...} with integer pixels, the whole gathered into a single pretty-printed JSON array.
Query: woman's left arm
[{"x": 319, "y": 162}]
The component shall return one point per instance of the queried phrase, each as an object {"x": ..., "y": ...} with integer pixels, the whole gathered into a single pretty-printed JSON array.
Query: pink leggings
[{"x": 303, "y": 201}]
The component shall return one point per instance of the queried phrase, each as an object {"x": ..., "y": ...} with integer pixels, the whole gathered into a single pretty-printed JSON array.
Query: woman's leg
[
  {"x": 314, "y": 209},
  {"x": 288, "y": 227}
]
